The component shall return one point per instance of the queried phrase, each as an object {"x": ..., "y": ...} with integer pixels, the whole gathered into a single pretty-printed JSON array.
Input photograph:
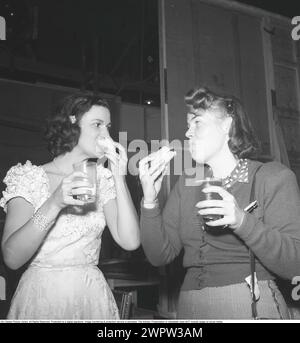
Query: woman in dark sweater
[{"x": 216, "y": 256}]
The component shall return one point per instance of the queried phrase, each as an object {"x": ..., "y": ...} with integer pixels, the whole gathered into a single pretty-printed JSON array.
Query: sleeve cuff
[
  {"x": 150, "y": 212},
  {"x": 247, "y": 227}
]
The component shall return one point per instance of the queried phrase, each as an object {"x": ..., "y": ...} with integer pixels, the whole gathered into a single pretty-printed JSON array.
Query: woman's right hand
[
  {"x": 152, "y": 170},
  {"x": 71, "y": 186},
  {"x": 151, "y": 177}
]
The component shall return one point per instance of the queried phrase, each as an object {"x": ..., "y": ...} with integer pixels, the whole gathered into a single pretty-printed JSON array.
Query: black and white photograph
[{"x": 150, "y": 163}]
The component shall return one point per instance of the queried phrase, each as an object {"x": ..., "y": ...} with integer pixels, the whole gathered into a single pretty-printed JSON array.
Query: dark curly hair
[
  {"x": 61, "y": 134},
  {"x": 242, "y": 140}
]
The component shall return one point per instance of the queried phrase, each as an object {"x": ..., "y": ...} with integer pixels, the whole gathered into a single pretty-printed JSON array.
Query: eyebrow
[
  {"x": 195, "y": 115},
  {"x": 99, "y": 120}
]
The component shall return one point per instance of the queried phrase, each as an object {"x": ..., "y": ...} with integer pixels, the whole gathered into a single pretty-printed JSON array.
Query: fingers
[
  {"x": 169, "y": 156},
  {"x": 218, "y": 222},
  {"x": 114, "y": 145},
  {"x": 117, "y": 161},
  {"x": 216, "y": 189},
  {"x": 160, "y": 170},
  {"x": 80, "y": 191},
  {"x": 212, "y": 210},
  {"x": 144, "y": 162},
  {"x": 75, "y": 202},
  {"x": 160, "y": 178},
  {"x": 75, "y": 174},
  {"x": 122, "y": 150},
  {"x": 211, "y": 203},
  {"x": 81, "y": 183},
  {"x": 113, "y": 157},
  {"x": 155, "y": 168},
  {"x": 144, "y": 165},
  {"x": 75, "y": 185},
  {"x": 121, "y": 155},
  {"x": 163, "y": 156}
]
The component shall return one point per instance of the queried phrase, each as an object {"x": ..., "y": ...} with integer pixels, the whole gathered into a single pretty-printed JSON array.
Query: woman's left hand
[
  {"x": 233, "y": 215},
  {"x": 118, "y": 160}
]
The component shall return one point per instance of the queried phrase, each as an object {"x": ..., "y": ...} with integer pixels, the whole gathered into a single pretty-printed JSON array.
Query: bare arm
[
  {"x": 122, "y": 218},
  {"x": 22, "y": 235},
  {"x": 120, "y": 213}
]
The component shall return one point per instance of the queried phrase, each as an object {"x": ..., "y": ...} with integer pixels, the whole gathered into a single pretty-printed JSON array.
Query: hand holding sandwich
[
  {"x": 115, "y": 153},
  {"x": 152, "y": 169}
]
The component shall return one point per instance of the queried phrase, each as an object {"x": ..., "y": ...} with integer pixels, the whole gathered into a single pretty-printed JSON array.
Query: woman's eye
[
  {"x": 102, "y": 126},
  {"x": 98, "y": 125}
]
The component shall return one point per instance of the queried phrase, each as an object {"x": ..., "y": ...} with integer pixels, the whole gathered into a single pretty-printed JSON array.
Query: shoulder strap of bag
[{"x": 252, "y": 257}]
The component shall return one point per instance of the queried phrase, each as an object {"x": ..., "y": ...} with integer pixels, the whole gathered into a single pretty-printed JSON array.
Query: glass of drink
[
  {"x": 90, "y": 169},
  {"x": 211, "y": 181}
]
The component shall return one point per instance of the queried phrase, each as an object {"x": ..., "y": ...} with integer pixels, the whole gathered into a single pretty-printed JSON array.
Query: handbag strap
[{"x": 252, "y": 257}]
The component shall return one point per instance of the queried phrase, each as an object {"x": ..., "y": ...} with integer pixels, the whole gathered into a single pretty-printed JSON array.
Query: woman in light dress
[{"x": 57, "y": 234}]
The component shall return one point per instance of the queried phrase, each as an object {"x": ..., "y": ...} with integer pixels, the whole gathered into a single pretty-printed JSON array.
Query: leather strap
[{"x": 252, "y": 257}]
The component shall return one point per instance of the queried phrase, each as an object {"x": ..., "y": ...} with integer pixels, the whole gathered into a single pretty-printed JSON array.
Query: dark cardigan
[{"x": 220, "y": 257}]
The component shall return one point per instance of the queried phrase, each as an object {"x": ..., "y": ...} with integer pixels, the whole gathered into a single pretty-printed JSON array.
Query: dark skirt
[{"x": 232, "y": 302}]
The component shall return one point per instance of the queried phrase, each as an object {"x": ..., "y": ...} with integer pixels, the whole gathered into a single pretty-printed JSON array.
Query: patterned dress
[{"x": 63, "y": 280}]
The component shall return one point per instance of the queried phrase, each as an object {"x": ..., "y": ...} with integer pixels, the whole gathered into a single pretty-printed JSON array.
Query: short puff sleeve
[{"x": 26, "y": 181}]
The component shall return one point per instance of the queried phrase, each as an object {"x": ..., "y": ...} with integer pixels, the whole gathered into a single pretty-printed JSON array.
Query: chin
[
  {"x": 198, "y": 156},
  {"x": 199, "y": 160}
]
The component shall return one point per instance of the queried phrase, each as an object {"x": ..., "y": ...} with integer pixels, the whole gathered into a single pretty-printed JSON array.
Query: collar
[{"x": 239, "y": 174}]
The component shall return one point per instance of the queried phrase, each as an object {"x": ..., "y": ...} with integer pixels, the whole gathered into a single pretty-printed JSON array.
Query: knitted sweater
[{"x": 220, "y": 257}]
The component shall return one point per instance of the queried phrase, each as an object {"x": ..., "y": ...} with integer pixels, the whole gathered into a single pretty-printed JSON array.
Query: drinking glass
[
  {"x": 211, "y": 181},
  {"x": 90, "y": 169}
]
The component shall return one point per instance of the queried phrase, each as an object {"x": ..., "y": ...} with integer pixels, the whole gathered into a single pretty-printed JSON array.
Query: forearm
[
  {"x": 127, "y": 220},
  {"x": 161, "y": 245},
  {"x": 21, "y": 245},
  {"x": 278, "y": 250},
  {"x": 273, "y": 232}
]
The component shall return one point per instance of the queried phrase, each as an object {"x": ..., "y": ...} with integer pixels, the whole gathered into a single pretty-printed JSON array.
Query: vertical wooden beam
[
  {"x": 163, "y": 304},
  {"x": 270, "y": 81},
  {"x": 96, "y": 62},
  {"x": 142, "y": 39},
  {"x": 83, "y": 65}
]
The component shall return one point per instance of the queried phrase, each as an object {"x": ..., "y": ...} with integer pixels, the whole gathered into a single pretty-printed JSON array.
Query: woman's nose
[
  {"x": 189, "y": 133},
  {"x": 104, "y": 132}
]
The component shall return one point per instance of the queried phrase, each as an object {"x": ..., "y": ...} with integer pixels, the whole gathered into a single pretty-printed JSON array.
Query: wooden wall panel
[
  {"x": 253, "y": 77},
  {"x": 286, "y": 59},
  {"x": 214, "y": 48},
  {"x": 180, "y": 68},
  {"x": 217, "y": 47}
]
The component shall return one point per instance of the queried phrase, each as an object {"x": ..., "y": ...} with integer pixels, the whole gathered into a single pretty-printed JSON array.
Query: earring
[{"x": 72, "y": 119}]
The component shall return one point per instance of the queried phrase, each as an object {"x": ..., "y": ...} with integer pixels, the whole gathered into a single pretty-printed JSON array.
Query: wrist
[
  {"x": 150, "y": 203},
  {"x": 53, "y": 207},
  {"x": 41, "y": 221},
  {"x": 118, "y": 178},
  {"x": 241, "y": 221}
]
